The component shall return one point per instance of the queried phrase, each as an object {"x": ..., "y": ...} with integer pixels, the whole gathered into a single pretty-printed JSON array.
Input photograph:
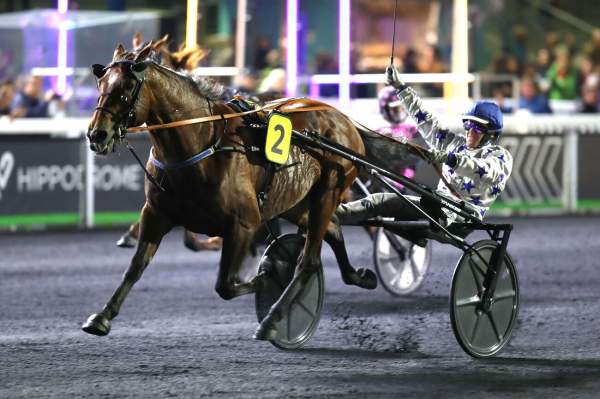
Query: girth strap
[{"x": 180, "y": 165}]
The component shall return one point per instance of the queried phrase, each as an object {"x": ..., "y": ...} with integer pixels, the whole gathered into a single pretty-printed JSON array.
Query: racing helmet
[
  {"x": 487, "y": 117},
  {"x": 390, "y": 106}
]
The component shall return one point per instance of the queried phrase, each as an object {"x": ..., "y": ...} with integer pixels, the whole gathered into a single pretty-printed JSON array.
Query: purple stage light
[
  {"x": 344, "y": 50},
  {"x": 63, "y": 6},
  {"x": 61, "y": 62},
  {"x": 291, "y": 64}
]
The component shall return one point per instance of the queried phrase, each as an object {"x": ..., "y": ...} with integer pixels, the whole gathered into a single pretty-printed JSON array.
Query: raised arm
[{"x": 428, "y": 125}]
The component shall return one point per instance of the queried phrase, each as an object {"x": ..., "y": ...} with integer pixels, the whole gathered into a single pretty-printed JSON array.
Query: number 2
[{"x": 275, "y": 148}]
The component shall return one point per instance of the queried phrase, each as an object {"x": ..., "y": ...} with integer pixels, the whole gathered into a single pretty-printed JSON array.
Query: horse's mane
[{"x": 208, "y": 87}]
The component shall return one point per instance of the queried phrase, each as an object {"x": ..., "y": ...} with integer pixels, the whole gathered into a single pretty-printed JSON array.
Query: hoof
[
  {"x": 127, "y": 241},
  {"x": 97, "y": 324},
  {"x": 363, "y": 278},
  {"x": 265, "y": 332}
]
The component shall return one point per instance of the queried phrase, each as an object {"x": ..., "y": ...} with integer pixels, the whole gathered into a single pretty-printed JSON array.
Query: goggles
[{"x": 478, "y": 128}]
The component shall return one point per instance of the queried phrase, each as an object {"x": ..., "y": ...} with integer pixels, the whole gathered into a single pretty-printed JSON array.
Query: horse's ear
[
  {"x": 98, "y": 70},
  {"x": 138, "y": 39},
  {"x": 159, "y": 44},
  {"x": 144, "y": 53},
  {"x": 118, "y": 51}
]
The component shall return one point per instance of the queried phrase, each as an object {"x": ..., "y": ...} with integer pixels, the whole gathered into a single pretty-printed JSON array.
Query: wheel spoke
[
  {"x": 276, "y": 277},
  {"x": 473, "y": 300},
  {"x": 475, "y": 328},
  {"x": 395, "y": 280},
  {"x": 473, "y": 271},
  {"x": 415, "y": 270},
  {"x": 476, "y": 266},
  {"x": 306, "y": 309},
  {"x": 494, "y": 326},
  {"x": 390, "y": 258},
  {"x": 504, "y": 295}
]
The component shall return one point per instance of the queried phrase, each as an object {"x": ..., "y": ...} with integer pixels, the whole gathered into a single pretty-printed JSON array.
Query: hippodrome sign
[{"x": 279, "y": 137}]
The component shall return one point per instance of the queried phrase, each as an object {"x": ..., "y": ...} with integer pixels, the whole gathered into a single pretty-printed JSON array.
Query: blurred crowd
[
  {"x": 26, "y": 98},
  {"x": 563, "y": 68}
]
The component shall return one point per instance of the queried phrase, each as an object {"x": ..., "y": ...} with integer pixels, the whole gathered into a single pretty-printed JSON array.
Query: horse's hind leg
[
  {"x": 322, "y": 207},
  {"x": 363, "y": 278},
  {"x": 153, "y": 228},
  {"x": 236, "y": 244}
]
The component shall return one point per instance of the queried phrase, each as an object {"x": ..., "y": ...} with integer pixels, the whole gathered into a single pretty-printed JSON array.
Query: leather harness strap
[{"x": 212, "y": 118}]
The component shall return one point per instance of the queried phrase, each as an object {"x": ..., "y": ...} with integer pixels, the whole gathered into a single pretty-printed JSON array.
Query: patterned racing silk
[{"x": 480, "y": 174}]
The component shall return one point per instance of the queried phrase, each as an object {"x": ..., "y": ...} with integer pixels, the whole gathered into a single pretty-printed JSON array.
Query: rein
[{"x": 212, "y": 118}]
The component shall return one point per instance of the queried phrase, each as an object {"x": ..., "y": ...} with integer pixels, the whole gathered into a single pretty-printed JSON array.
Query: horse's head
[{"x": 119, "y": 85}]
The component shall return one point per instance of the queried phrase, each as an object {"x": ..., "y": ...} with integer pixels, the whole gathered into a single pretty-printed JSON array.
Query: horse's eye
[{"x": 124, "y": 98}]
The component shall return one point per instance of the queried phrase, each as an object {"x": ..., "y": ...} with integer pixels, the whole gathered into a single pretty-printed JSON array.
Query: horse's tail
[{"x": 384, "y": 151}]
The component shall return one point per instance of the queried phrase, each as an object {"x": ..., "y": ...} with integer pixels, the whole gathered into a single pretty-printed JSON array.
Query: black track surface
[{"x": 176, "y": 338}]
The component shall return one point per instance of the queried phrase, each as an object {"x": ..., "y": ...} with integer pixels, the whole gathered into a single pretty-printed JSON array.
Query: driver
[{"x": 474, "y": 165}]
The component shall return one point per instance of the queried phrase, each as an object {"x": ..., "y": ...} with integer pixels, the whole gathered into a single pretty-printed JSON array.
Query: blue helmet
[{"x": 488, "y": 114}]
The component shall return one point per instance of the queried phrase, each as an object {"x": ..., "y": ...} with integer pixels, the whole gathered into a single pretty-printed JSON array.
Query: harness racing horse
[
  {"x": 185, "y": 59},
  {"x": 217, "y": 196}
]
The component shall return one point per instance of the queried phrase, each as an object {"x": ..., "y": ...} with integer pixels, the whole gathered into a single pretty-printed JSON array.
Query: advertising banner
[
  {"x": 40, "y": 175},
  {"x": 42, "y": 181}
]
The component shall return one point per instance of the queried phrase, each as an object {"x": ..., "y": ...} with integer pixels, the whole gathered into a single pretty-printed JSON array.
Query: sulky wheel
[
  {"x": 482, "y": 331},
  {"x": 277, "y": 266},
  {"x": 400, "y": 264}
]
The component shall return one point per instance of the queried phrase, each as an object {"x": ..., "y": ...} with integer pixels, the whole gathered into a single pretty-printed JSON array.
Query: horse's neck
[{"x": 174, "y": 100}]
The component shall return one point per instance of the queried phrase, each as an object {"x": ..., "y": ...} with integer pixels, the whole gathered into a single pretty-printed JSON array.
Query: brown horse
[
  {"x": 184, "y": 59},
  {"x": 218, "y": 195}
]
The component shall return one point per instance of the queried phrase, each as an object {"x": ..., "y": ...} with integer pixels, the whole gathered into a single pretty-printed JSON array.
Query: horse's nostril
[{"x": 98, "y": 136}]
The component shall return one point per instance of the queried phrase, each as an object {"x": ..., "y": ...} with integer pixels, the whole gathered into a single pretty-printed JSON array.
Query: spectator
[
  {"x": 273, "y": 84},
  {"x": 589, "y": 99},
  {"x": 7, "y": 95},
  {"x": 431, "y": 61},
  {"x": 562, "y": 77},
  {"x": 31, "y": 102},
  {"x": 542, "y": 62},
  {"x": 595, "y": 47},
  {"x": 552, "y": 42},
  {"x": 245, "y": 82},
  {"x": 500, "y": 94},
  {"x": 585, "y": 71},
  {"x": 410, "y": 61},
  {"x": 531, "y": 99},
  {"x": 520, "y": 44},
  {"x": 260, "y": 54},
  {"x": 326, "y": 64}
]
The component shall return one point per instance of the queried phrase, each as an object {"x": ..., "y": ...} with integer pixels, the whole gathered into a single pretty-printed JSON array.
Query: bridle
[{"x": 125, "y": 118}]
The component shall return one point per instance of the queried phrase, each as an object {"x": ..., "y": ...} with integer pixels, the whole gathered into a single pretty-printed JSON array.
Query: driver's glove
[
  {"x": 441, "y": 156},
  {"x": 393, "y": 78}
]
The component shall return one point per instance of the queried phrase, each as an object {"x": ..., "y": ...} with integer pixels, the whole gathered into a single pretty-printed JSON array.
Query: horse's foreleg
[
  {"x": 324, "y": 202},
  {"x": 363, "y": 278},
  {"x": 236, "y": 244},
  {"x": 153, "y": 228},
  {"x": 129, "y": 238}
]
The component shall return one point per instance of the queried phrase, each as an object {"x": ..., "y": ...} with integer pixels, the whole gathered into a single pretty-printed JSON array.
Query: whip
[{"x": 393, "y": 35}]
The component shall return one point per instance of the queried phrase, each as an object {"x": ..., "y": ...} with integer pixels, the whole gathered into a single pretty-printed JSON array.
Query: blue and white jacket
[{"x": 479, "y": 175}]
